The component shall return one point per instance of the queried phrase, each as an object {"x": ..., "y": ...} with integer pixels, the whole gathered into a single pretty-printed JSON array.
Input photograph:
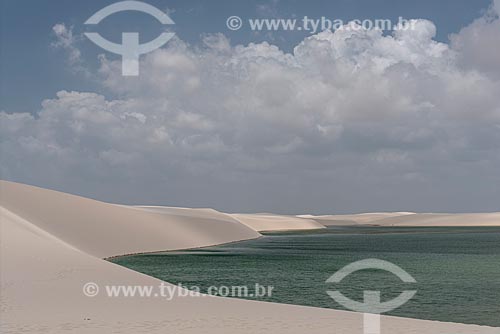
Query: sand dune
[
  {"x": 354, "y": 219},
  {"x": 42, "y": 280},
  {"x": 257, "y": 222},
  {"x": 442, "y": 219},
  {"x": 410, "y": 219},
  {"x": 90, "y": 225},
  {"x": 269, "y": 222},
  {"x": 50, "y": 247}
]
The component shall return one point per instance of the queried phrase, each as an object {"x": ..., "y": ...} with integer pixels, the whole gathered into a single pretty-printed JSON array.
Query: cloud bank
[{"x": 352, "y": 120}]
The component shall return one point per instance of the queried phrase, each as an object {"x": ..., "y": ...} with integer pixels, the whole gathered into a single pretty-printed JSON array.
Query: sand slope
[
  {"x": 91, "y": 225},
  {"x": 354, "y": 219},
  {"x": 443, "y": 219},
  {"x": 42, "y": 279},
  {"x": 46, "y": 257},
  {"x": 269, "y": 222},
  {"x": 410, "y": 219},
  {"x": 257, "y": 222}
]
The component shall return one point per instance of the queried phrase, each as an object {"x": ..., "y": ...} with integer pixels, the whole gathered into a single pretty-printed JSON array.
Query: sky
[{"x": 352, "y": 120}]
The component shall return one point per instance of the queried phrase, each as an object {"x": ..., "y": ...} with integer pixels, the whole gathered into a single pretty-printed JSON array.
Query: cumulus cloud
[
  {"x": 478, "y": 44},
  {"x": 67, "y": 41},
  {"x": 350, "y": 120}
]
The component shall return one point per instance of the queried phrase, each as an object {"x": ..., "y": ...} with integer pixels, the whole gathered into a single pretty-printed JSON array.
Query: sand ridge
[{"x": 52, "y": 243}]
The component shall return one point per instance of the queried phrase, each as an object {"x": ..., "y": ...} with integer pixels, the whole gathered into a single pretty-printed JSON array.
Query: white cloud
[
  {"x": 478, "y": 44},
  {"x": 348, "y": 112},
  {"x": 66, "y": 40}
]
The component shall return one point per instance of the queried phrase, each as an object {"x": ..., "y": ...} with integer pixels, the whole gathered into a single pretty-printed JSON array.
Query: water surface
[{"x": 457, "y": 269}]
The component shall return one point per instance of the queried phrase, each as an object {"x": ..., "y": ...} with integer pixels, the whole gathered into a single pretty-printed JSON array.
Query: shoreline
[
  {"x": 188, "y": 267},
  {"x": 54, "y": 243},
  {"x": 178, "y": 250}
]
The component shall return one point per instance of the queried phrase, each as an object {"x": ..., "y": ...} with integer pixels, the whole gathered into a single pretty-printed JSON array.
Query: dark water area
[{"x": 457, "y": 269}]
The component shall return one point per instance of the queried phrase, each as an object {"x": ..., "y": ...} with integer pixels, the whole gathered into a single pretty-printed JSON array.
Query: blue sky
[
  {"x": 33, "y": 70},
  {"x": 341, "y": 121}
]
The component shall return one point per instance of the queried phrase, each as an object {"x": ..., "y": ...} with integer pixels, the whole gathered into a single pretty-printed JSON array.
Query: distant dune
[
  {"x": 354, "y": 219},
  {"x": 443, "y": 219},
  {"x": 52, "y": 244},
  {"x": 410, "y": 219},
  {"x": 268, "y": 222}
]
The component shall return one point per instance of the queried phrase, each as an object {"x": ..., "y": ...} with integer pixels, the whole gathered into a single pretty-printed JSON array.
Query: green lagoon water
[{"x": 457, "y": 269}]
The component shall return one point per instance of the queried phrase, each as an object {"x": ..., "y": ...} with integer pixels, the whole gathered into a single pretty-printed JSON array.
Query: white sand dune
[
  {"x": 256, "y": 221},
  {"x": 410, "y": 219},
  {"x": 106, "y": 230},
  {"x": 443, "y": 219},
  {"x": 354, "y": 219},
  {"x": 51, "y": 244},
  {"x": 270, "y": 222}
]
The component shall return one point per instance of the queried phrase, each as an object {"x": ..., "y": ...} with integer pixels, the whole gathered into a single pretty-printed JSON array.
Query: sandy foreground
[{"x": 52, "y": 244}]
